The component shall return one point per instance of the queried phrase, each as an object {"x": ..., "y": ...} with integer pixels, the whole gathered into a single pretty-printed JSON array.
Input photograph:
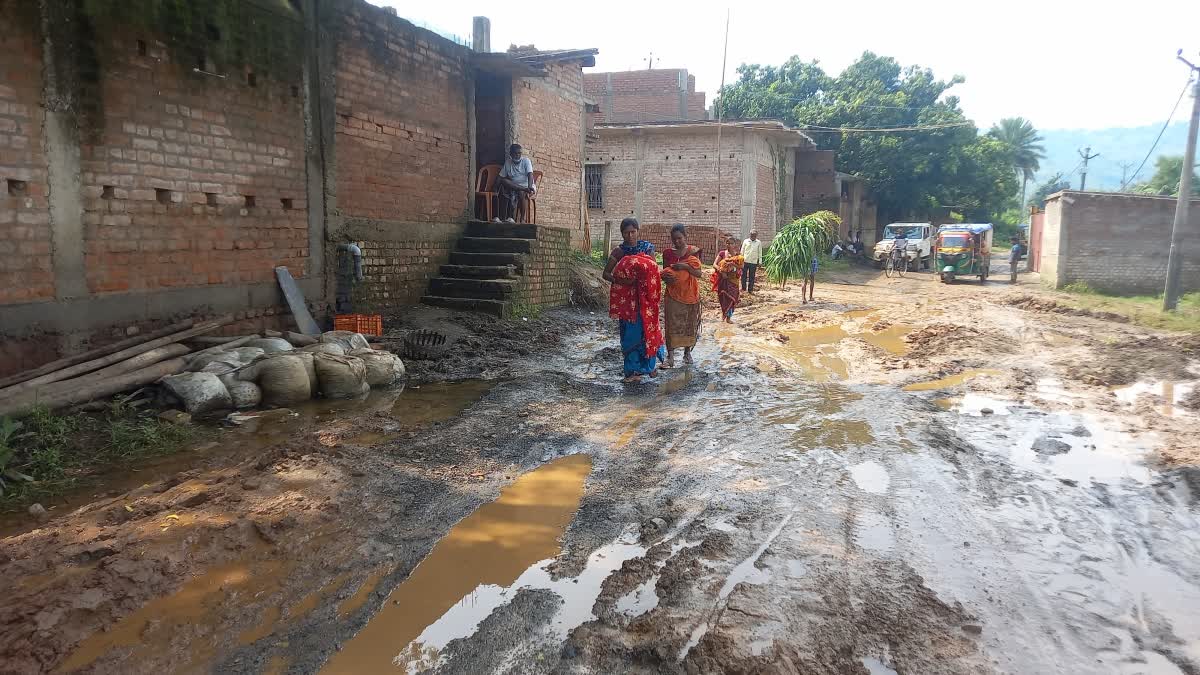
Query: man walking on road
[{"x": 752, "y": 252}]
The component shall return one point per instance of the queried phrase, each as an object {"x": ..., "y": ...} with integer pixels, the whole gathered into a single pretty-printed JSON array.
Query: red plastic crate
[{"x": 367, "y": 324}]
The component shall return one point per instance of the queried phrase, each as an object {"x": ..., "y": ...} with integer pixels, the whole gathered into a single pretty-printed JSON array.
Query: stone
[
  {"x": 986, "y": 411},
  {"x": 38, "y": 511},
  {"x": 1049, "y": 446}
]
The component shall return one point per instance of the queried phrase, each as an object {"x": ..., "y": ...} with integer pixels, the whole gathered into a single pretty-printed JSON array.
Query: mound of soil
[
  {"x": 1036, "y": 304},
  {"x": 1143, "y": 357},
  {"x": 941, "y": 337}
]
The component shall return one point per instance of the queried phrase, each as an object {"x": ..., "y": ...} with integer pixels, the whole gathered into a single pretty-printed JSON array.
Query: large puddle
[{"x": 491, "y": 548}]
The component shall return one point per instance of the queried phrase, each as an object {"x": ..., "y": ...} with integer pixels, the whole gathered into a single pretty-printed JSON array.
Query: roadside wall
[
  {"x": 669, "y": 175},
  {"x": 1116, "y": 243},
  {"x": 645, "y": 95}
]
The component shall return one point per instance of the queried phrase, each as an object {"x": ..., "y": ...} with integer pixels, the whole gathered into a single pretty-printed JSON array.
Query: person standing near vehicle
[
  {"x": 752, "y": 253},
  {"x": 1014, "y": 257}
]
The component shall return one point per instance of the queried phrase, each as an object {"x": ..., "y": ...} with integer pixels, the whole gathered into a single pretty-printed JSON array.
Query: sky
[{"x": 1062, "y": 65}]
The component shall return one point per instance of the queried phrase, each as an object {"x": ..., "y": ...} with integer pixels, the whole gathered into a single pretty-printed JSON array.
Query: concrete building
[
  {"x": 819, "y": 186},
  {"x": 153, "y": 169},
  {"x": 656, "y": 95},
  {"x": 667, "y": 172},
  {"x": 1115, "y": 242}
]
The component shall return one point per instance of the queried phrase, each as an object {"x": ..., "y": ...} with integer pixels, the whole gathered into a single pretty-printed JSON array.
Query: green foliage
[
  {"x": 54, "y": 453},
  {"x": 1168, "y": 170},
  {"x": 1023, "y": 143},
  {"x": 597, "y": 257},
  {"x": 1055, "y": 183},
  {"x": 521, "y": 310},
  {"x": 791, "y": 252},
  {"x": 1079, "y": 288},
  {"x": 910, "y": 173}
]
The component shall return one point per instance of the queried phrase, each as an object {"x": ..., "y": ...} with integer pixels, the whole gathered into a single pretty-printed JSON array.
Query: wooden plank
[{"x": 295, "y": 301}]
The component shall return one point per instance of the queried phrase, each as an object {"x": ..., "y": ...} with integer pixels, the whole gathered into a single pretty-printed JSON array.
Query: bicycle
[{"x": 896, "y": 265}]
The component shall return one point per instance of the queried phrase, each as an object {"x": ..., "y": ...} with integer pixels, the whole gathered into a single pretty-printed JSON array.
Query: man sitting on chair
[{"x": 515, "y": 184}]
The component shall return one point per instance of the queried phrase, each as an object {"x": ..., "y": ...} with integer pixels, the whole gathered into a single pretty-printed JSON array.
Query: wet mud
[{"x": 904, "y": 477}]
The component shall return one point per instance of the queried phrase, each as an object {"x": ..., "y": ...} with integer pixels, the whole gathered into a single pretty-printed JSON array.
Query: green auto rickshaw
[{"x": 964, "y": 250}]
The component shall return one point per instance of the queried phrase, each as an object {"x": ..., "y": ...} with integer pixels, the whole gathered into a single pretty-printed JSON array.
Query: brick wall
[
  {"x": 401, "y": 120},
  {"x": 547, "y": 278},
  {"x": 399, "y": 260},
  {"x": 201, "y": 181},
  {"x": 25, "y": 264},
  {"x": 667, "y": 176},
  {"x": 549, "y": 126},
  {"x": 1116, "y": 242},
  {"x": 645, "y": 95},
  {"x": 162, "y": 162}
]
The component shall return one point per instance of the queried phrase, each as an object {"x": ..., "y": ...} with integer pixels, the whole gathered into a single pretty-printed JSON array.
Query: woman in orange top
[
  {"x": 726, "y": 277},
  {"x": 681, "y": 273}
]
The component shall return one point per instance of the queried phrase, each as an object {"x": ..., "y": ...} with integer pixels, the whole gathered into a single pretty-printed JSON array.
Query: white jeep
[{"x": 918, "y": 240}]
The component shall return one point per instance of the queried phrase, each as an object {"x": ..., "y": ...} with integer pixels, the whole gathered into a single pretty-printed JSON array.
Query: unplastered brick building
[
  {"x": 158, "y": 160},
  {"x": 655, "y": 95},
  {"x": 676, "y": 172}
]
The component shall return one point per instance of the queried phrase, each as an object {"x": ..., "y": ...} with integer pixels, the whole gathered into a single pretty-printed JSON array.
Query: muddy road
[{"x": 903, "y": 477}]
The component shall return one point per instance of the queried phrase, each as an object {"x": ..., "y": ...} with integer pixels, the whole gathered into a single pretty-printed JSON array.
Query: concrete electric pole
[
  {"x": 1171, "y": 292},
  {"x": 1086, "y": 155}
]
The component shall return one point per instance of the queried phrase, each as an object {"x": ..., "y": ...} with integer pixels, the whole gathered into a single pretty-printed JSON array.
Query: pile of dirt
[
  {"x": 944, "y": 337},
  {"x": 1036, "y": 304},
  {"x": 1141, "y": 357},
  {"x": 589, "y": 290}
]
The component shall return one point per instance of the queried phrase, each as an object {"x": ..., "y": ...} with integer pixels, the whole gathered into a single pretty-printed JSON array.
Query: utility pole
[
  {"x": 1086, "y": 155},
  {"x": 650, "y": 62},
  {"x": 1171, "y": 292},
  {"x": 1125, "y": 167}
]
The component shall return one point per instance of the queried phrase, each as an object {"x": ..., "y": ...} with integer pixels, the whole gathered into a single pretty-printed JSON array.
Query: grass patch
[
  {"x": 1143, "y": 310},
  {"x": 597, "y": 258},
  {"x": 49, "y": 454}
]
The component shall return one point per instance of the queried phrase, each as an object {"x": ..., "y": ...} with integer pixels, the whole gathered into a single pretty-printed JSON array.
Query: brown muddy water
[{"x": 725, "y": 514}]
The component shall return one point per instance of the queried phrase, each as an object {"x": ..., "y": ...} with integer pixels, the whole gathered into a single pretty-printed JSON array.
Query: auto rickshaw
[{"x": 964, "y": 250}]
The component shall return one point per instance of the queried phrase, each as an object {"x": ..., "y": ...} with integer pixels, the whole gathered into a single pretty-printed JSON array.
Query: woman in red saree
[
  {"x": 681, "y": 307},
  {"x": 727, "y": 278},
  {"x": 634, "y": 300}
]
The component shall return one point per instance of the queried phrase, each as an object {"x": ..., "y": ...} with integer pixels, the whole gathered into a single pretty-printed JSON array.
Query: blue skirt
[{"x": 633, "y": 346}]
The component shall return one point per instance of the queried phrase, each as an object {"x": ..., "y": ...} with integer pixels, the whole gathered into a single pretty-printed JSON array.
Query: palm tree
[{"x": 1024, "y": 143}]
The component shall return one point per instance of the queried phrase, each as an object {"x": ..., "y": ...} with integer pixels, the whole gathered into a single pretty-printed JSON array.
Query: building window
[{"x": 594, "y": 185}]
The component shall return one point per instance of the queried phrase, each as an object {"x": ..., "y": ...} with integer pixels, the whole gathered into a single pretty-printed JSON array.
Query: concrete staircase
[{"x": 485, "y": 268}]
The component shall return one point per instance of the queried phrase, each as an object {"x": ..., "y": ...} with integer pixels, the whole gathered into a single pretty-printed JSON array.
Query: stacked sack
[{"x": 272, "y": 371}]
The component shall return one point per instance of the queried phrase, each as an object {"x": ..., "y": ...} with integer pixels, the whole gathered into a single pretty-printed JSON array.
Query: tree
[
  {"x": 1023, "y": 143},
  {"x": 1168, "y": 169},
  {"x": 1055, "y": 183},
  {"x": 910, "y": 171}
]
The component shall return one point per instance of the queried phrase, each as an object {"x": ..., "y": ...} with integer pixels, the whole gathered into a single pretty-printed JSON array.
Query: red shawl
[{"x": 627, "y": 302}]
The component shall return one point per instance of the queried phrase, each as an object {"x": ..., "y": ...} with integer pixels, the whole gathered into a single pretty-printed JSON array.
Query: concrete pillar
[
  {"x": 481, "y": 34},
  {"x": 61, "y": 139},
  {"x": 683, "y": 93}
]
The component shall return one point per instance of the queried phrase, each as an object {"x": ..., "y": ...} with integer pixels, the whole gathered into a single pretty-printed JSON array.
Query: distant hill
[{"x": 1114, "y": 145}]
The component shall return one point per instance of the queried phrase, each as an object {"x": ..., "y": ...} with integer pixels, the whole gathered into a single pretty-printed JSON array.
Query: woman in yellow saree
[{"x": 681, "y": 273}]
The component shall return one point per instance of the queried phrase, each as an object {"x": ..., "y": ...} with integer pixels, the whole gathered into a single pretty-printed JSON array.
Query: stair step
[
  {"x": 498, "y": 308},
  {"x": 490, "y": 289},
  {"x": 495, "y": 245},
  {"x": 488, "y": 259},
  {"x": 503, "y": 230},
  {"x": 478, "y": 271}
]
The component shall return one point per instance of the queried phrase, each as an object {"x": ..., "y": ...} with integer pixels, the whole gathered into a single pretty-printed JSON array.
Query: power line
[
  {"x": 926, "y": 127},
  {"x": 1160, "y": 135}
]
